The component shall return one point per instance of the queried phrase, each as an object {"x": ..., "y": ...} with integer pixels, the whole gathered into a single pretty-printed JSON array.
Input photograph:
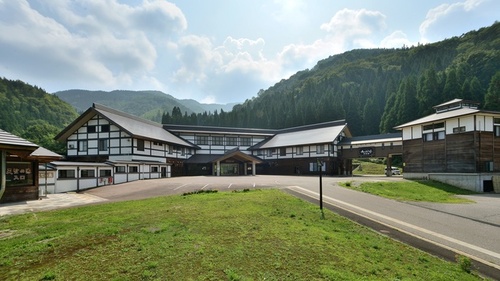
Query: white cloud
[
  {"x": 397, "y": 39},
  {"x": 441, "y": 17},
  {"x": 81, "y": 41},
  {"x": 353, "y": 23}
]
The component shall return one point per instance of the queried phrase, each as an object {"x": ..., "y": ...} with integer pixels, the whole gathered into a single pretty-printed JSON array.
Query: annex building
[{"x": 459, "y": 144}]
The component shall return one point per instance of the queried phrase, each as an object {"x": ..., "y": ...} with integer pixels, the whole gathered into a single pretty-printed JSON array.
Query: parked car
[{"x": 394, "y": 171}]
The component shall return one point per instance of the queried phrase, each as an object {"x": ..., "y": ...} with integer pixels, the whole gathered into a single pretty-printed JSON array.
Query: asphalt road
[{"x": 445, "y": 230}]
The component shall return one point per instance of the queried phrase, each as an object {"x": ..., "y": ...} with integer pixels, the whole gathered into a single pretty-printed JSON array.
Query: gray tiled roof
[
  {"x": 440, "y": 116},
  {"x": 139, "y": 127},
  {"x": 9, "y": 140},
  {"x": 133, "y": 125},
  {"x": 392, "y": 137},
  {"x": 319, "y": 133}
]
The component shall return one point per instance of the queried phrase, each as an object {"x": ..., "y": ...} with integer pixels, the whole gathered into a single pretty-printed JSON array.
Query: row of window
[
  {"x": 102, "y": 128},
  {"x": 90, "y": 173},
  {"x": 219, "y": 140},
  {"x": 299, "y": 150},
  {"x": 84, "y": 173}
]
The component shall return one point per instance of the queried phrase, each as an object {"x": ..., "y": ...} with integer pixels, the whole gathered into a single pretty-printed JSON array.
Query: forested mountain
[
  {"x": 33, "y": 114},
  {"x": 373, "y": 89},
  {"x": 147, "y": 104}
]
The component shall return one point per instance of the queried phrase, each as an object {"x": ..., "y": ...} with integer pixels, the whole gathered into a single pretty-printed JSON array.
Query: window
[
  {"x": 201, "y": 140},
  {"x": 82, "y": 145},
  {"x": 299, "y": 150},
  {"x": 119, "y": 169},
  {"x": 232, "y": 141},
  {"x": 459, "y": 129},
  {"x": 87, "y": 173},
  {"x": 270, "y": 152},
  {"x": 105, "y": 173},
  {"x": 282, "y": 151},
  {"x": 140, "y": 145},
  {"x": 314, "y": 167},
  {"x": 133, "y": 169},
  {"x": 260, "y": 152},
  {"x": 245, "y": 141},
  {"x": 217, "y": 140},
  {"x": 103, "y": 145},
  {"x": 496, "y": 127},
  {"x": 66, "y": 174},
  {"x": 154, "y": 169},
  {"x": 105, "y": 128},
  {"x": 434, "y": 136},
  {"x": 320, "y": 149},
  {"x": 91, "y": 129}
]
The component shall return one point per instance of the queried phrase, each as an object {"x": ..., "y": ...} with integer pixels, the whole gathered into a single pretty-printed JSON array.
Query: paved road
[{"x": 444, "y": 229}]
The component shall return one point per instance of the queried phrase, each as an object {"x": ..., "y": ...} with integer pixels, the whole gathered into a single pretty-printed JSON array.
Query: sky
[{"x": 217, "y": 51}]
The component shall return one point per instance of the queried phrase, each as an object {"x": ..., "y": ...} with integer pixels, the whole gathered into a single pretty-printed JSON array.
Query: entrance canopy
[{"x": 231, "y": 156}]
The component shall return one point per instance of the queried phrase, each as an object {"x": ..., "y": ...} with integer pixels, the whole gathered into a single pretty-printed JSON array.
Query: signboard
[
  {"x": 19, "y": 173},
  {"x": 366, "y": 152}
]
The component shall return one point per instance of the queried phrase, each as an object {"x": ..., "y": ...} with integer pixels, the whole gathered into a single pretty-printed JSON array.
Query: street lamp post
[{"x": 320, "y": 165}]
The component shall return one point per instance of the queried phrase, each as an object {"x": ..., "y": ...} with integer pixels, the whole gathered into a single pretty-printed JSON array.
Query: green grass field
[
  {"x": 255, "y": 235},
  {"x": 428, "y": 191}
]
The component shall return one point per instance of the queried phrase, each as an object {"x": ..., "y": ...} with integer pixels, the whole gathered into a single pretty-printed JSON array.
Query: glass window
[
  {"x": 320, "y": 149},
  {"x": 217, "y": 140},
  {"x": 133, "y": 169},
  {"x": 154, "y": 169},
  {"x": 245, "y": 141},
  {"x": 105, "y": 173},
  {"x": 87, "y": 173},
  {"x": 91, "y": 129},
  {"x": 120, "y": 169},
  {"x": 299, "y": 150},
  {"x": 283, "y": 151},
  {"x": 105, "y": 128},
  {"x": 82, "y": 145},
  {"x": 66, "y": 174},
  {"x": 232, "y": 141},
  {"x": 103, "y": 145},
  {"x": 202, "y": 140},
  {"x": 140, "y": 145}
]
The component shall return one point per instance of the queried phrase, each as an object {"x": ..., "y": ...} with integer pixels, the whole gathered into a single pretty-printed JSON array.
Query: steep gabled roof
[
  {"x": 305, "y": 135},
  {"x": 133, "y": 125}
]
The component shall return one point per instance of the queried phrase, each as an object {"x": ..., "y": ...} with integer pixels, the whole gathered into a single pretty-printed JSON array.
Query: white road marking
[
  {"x": 456, "y": 241},
  {"x": 205, "y": 186},
  {"x": 180, "y": 186},
  {"x": 229, "y": 186}
]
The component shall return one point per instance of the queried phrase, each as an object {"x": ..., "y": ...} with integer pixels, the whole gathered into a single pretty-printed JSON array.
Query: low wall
[{"x": 469, "y": 181}]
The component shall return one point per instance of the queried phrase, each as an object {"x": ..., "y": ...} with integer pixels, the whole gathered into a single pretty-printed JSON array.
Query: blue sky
[{"x": 212, "y": 51}]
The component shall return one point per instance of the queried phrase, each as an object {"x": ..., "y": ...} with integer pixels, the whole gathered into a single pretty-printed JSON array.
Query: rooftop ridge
[{"x": 101, "y": 107}]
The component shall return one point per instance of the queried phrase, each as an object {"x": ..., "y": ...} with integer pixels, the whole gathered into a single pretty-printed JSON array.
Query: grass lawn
[
  {"x": 429, "y": 191},
  {"x": 255, "y": 235}
]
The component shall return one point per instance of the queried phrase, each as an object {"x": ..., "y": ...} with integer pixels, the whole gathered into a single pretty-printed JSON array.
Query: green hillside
[
  {"x": 32, "y": 113},
  {"x": 147, "y": 104},
  {"x": 376, "y": 89}
]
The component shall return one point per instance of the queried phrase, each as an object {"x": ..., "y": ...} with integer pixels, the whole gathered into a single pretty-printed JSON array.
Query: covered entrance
[{"x": 235, "y": 163}]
